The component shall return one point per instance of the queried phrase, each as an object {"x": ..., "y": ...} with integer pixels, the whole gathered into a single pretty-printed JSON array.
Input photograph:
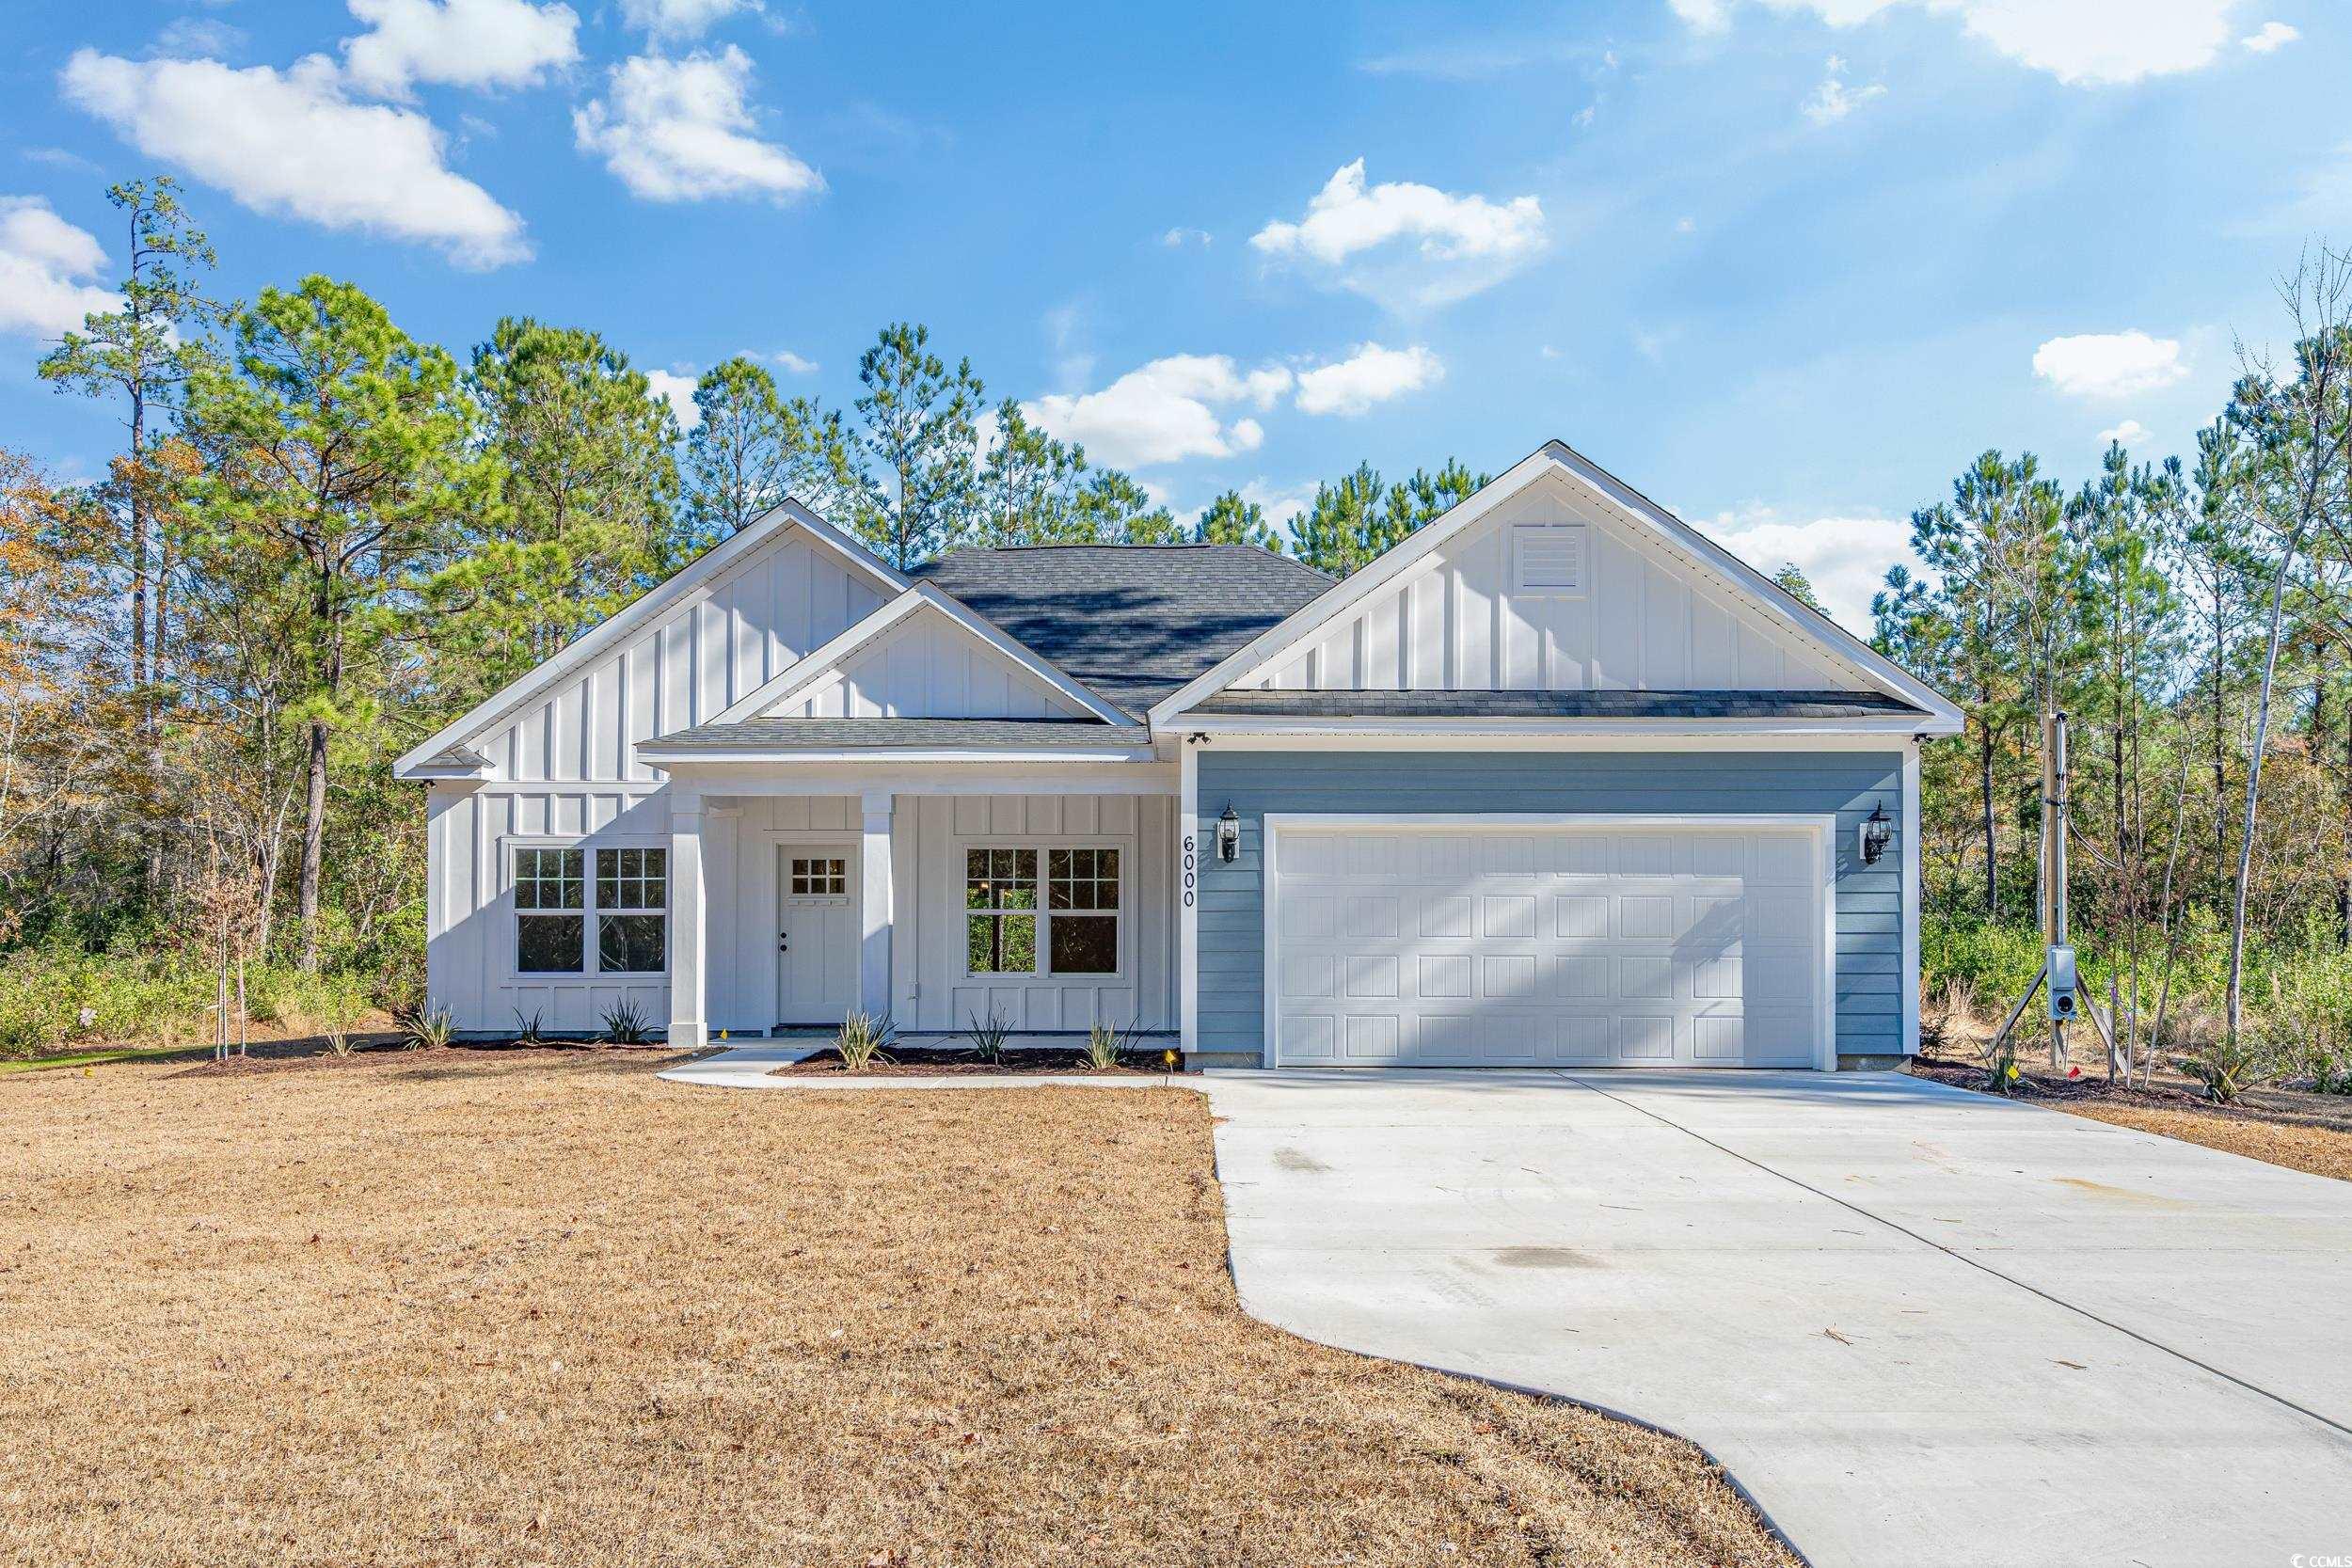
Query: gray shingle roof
[
  {"x": 1133, "y": 622},
  {"x": 845, "y": 735},
  {"x": 1556, "y": 705}
]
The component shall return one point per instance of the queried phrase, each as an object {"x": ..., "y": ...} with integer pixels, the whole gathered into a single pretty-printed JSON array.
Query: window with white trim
[
  {"x": 550, "y": 919},
  {"x": 632, "y": 910},
  {"x": 1009, "y": 929},
  {"x": 567, "y": 923}
]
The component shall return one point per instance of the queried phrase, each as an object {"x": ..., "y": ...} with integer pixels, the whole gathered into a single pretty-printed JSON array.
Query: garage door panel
[{"x": 1582, "y": 946}]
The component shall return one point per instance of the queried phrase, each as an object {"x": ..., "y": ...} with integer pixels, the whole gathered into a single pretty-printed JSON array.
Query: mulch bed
[
  {"x": 386, "y": 1049},
  {"x": 930, "y": 1061},
  {"x": 2285, "y": 1107}
]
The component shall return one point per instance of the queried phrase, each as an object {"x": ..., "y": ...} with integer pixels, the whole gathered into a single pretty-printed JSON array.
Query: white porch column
[
  {"x": 873, "y": 970},
  {"x": 690, "y": 968},
  {"x": 1188, "y": 896}
]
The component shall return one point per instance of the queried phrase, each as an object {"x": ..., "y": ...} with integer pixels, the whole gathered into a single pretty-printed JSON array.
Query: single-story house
[{"x": 1557, "y": 779}]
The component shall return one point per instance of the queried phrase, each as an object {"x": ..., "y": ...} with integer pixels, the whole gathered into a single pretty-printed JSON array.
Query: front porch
[{"x": 1043, "y": 895}]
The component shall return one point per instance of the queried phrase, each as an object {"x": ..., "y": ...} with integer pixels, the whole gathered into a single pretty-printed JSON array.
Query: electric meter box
[{"x": 2063, "y": 983}]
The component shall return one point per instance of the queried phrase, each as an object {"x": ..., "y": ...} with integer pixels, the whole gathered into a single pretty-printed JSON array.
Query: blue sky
[{"x": 1784, "y": 264}]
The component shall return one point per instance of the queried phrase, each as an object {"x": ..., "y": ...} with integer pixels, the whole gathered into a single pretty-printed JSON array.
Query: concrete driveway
[{"x": 1921, "y": 1326}]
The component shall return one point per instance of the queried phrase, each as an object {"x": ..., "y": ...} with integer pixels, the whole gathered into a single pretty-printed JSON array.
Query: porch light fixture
[
  {"x": 1229, "y": 836},
  {"x": 1876, "y": 832}
]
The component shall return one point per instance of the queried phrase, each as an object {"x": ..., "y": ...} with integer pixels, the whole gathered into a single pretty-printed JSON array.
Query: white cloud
[
  {"x": 465, "y": 43},
  {"x": 46, "y": 265},
  {"x": 683, "y": 19},
  {"x": 2269, "y": 36},
  {"x": 1844, "y": 558},
  {"x": 291, "y": 144},
  {"x": 2131, "y": 433},
  {"x": 1176, "y": 239},
  {"x": 1408, "y": 243},
  {"x": 188, "y": 36},
  {"x": 1280, "y": 502},
  {"x": 2087, "y": 43},
  {"x": 785, "y": 360},
  {"x": 1372, "y": 374},
  {"x": 2109, "y": 364},
  {"x": 1165, "y": 411},
  {"x": 678, "y": 389},
  {"x": 1833, "y": 101},
  {"x": 679, "y": 131},
  {"x": 1584, "y": 117}
]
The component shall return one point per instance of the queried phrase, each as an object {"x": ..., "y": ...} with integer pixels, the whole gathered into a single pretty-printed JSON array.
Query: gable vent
[{"x": 1549, "y": 559}]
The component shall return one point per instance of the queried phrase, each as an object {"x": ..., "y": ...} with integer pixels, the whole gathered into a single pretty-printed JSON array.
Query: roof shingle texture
[
  {"x": 826, "y": 734},
  {"x": 1132, "y": 622},
  {"x": 1556, "y": 705}
]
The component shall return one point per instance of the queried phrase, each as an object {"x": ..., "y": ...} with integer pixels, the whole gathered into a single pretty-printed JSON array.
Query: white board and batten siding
[
  {"x": 928, "y": 667},
  {"x": 930, "y": 835},
  {"x": 1550, "y": 594},
  {"x": 561, "y": 769}
]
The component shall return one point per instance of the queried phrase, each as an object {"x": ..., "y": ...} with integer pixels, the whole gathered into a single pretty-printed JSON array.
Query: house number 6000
[{"x": 1188, "y": 870}]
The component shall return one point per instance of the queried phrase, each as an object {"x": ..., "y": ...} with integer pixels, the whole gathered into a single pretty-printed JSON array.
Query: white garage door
[{"x": 1468, "y": 943}]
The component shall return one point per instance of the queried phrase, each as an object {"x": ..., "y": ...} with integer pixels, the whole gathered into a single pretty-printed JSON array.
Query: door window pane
[{"x": 819, "y": 877}]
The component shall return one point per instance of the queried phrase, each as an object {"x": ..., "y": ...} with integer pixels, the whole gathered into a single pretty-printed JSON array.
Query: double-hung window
[
  {"x": 555, "y": 913},
  {"x": 1072, "y": 929},
  {"x": 632, "y": 910}
]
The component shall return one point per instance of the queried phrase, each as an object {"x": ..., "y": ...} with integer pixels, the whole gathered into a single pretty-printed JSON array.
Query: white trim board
[
  {"x": 1786, "y": 616},
  {"x": 800, "y": 677},
  {"x": 1823, "y": 826},
  {"x": 697, "y": 577}
]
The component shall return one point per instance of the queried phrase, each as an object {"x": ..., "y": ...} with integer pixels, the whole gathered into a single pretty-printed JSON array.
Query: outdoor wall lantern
[
  {"x": 1877, "y": 831},
  {"x": 1229, "y": 836}
]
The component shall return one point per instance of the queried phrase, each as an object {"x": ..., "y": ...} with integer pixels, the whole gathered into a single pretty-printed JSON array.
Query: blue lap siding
[{"x": 1869, "y": 898}]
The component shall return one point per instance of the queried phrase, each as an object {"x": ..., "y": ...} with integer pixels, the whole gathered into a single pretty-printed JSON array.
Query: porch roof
[{"x": 752, "y": 737}]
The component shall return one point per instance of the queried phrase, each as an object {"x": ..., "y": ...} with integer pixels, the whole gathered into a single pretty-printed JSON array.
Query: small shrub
[
  {"x": 529, "y": 1031},
  {"x": 862, "y": 1041},
  {"x": 2002, "y": 1065},
  {"x": 988, "y": 1036},
  {"x": 2228, "y": 1070},
  {"x": 1103, "y": 1045},
  {"x": 339, "y": 1006},
  {"x": 625, "y": 1024},
  {"x": 426, "y": 1028}
]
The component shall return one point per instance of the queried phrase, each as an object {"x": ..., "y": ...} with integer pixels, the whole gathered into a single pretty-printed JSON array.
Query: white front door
[
  {"x": 1694, "y": 943},
  {"x": 817, "y": 932}
]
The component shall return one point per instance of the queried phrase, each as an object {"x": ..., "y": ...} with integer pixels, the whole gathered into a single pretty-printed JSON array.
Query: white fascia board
[
  {"x": 1791, "y": 619},
  {"x": 792, "y": 682},
  {"x": 667, "y": 760},
  {"x": 1623, "y": 740},
  {"x": 1442, "y": 729},
  {"x": 698, "y": 576}
]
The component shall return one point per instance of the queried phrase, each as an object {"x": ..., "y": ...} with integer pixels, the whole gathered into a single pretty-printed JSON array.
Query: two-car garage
[{"x": 1443, "y": 939}]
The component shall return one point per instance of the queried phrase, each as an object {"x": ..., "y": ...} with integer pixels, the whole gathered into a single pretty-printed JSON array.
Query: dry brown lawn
[
  {"x": 540, "y": 1307},
  {"x": 2314, "y": 1146}
]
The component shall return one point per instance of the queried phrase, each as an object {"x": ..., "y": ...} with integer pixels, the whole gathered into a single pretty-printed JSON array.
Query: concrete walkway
[{"x": 1922, "y": 1327}]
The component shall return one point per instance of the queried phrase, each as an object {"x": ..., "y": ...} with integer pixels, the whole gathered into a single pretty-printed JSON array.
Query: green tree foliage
[
  {"x": 347, "y": 464},
  {"x": 1794, "y": 583},
  {"x": 1359, "y": 518},
  {"x": 920, "y": 430},
  {"x": 752, "y": 448},
  {"x": 146, "y": 354},
  {"x": 1230, "y": 521},
  {"x": 588, "y": 472}
]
